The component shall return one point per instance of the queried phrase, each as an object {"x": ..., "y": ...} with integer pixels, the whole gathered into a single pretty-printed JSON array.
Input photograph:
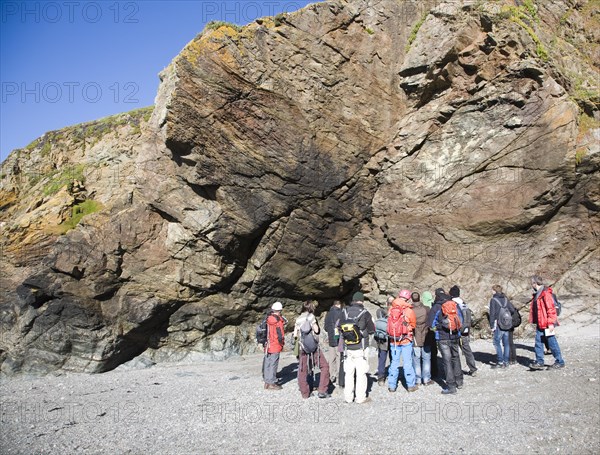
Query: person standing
[
  {"x": 401, "y": 325},
  {"x": 307, "y": 331},
  {"x": 542, "y": 313},
  {"x": 500, "y": 311},
  {"x": 381, "y": 338},
  {"x": 427, "y": 299},
  {"x": 273, "y": 346},
  {"x": 465, "y": 339},
  {"x": 356, "y": 325},
  {"x": 421, "y": 350},
  {"x": 444, "y": 309},
  {"x": 332, "y": 353}
]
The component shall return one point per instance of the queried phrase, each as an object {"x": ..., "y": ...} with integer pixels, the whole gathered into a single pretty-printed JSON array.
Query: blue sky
[{"x": 67, "y": 62}]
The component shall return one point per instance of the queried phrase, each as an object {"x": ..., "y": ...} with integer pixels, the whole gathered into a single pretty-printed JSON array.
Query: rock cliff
[{"x": 348, "y": 145}]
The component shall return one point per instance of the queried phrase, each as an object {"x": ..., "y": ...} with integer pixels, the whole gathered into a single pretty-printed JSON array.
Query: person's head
[
  {"x": 497, "y": 289},
  {"x": 454, "y": 291},
  {"x": 415, "y": 297},
  {"x": 427, "y": 298},
  {"x": 309, "y": 306},
  {"x": 439, "y": 292},
  {"x": 337, "y": 303},
  {"x": 537, "y": 282},
  {"x": 404, "y": 294},
  {"x": 358, "y": 297},
  {"x": 389, "y": 301},
  {"x": 277, "y": 307}
]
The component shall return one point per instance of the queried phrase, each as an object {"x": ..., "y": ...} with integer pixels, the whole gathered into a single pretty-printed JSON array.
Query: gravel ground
[{"x": 222, "y": 408}]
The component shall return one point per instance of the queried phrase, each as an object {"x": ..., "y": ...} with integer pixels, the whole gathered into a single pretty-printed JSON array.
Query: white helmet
[{"x": 277, "y": 306}]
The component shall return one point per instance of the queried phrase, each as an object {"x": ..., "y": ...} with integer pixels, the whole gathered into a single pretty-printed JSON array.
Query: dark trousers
[
  {"x": 468, "y": 353},
  {"x": 382, "y": 356},
  {"x": 434, "y": 360},
  {"x": 451, "y": 360},
  {"x": 513, "y": 350}
]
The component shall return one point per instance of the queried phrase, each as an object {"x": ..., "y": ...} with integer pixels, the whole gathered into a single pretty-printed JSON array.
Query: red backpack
[
  {"x": 450, "y": 320},
  {"x": 397, "y": 326}
]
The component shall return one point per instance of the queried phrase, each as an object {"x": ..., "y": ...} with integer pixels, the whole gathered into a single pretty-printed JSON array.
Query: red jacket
[
  {"x": 546, "y": 312},
  {"x": 275, "y": 333}
]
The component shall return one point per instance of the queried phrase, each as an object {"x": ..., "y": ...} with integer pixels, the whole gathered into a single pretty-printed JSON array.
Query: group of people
[{"x": 412, "y": 327}]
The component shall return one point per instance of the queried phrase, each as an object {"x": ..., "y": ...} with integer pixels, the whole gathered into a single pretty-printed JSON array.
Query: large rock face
[{"x": 344, "y": 146}]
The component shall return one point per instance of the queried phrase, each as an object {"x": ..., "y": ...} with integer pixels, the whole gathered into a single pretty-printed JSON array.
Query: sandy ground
[{"x": 222, "y": 408}]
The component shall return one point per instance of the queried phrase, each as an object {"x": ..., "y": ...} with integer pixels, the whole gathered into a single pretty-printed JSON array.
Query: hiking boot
[
  {"x": 413, "y": 388},
  {"x": 448, "y": 391},
  {"x": 428, "y": 383},
  {"x": 459, "y": 386},
  {"x": 391, "y": 390},
  {"x": 504, "y": 365},
  {"x": 473, "y": 373},
  {"x": 381, "y": 381},
  {"x": 536, "y": 366},
  {"x": 367, "y": 400},
  {"x": 273, "y": 387},
  {"x": 556, "y": 366},
  {"x": 323, "y": 395}
]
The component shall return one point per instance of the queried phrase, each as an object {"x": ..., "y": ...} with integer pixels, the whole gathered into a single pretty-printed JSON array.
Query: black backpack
[
  {"x": 516, "y": 319},
  {"x": 261, "y": 331},
  {"x": 505, "y": 318},
  {"x": 557, "y": 304},
  {"x": 349, "y": 326}
]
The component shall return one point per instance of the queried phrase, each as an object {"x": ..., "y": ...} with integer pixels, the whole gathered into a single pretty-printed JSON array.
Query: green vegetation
[
  {"x": 33, "y": 144},
  {"x": 415, "y": 30},
  {"x": 587, "y": 123},
  {"x": 279, "y": 19},
  {"x": 531, "y": 9},
  {"x": 61, "y": 178},
  {"x": 525, "y": 16},
  {"x": 77, "y": 213},
  {"x": 46, "y": 148},
  {"x": 370, "y": 31},
  {"x": 215, "y": 25},
  {"x": 579, "y": 156}
]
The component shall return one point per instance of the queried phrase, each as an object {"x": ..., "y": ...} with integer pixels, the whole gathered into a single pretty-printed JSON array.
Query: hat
[
  {"x": 277, "y": 306},
  {"x": 454, "y": 291},
  {"x": 439, "y": 291},
  {"x": 404, "y": 294},
  {"x": 358, "y": 297},
  {"x": 427, "y": 298}
]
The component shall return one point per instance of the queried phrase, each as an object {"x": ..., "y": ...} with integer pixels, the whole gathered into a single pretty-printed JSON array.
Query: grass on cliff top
[
  {"x": 215, "y": 25},
  {"x": 77, "y": 213},
  {"x": 92, "y": 132}
]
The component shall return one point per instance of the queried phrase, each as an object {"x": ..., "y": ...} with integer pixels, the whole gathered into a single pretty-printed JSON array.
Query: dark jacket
[
  {"x": 435, "y": 318},
  {"x": 498, "y": 300},
  {"x": 331, "y": 322},
  {"x": 421, "y": 330},
  {"x": 365, "y": 324}
]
